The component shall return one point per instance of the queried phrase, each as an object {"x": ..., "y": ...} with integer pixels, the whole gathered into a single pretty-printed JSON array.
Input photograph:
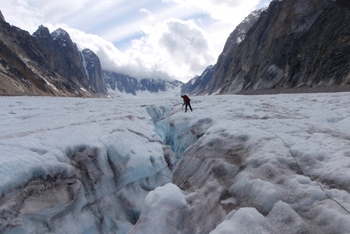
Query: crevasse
[{"x": 177, "y": 131}]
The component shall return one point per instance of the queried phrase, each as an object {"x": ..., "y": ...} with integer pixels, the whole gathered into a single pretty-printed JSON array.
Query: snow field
[
  {"x": 245, "y": 153},
  {"x": 103, "y": 154},
  {"x": 233, "y": 174}
]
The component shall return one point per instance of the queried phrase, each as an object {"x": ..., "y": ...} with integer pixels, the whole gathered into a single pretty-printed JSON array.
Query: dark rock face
[
  {"x": 295, "y": 43},
  {"x": 343, "y": 3},
  {"x": 127, "y": 84},
  {"x": 93, "y": 68},
  {"x": 16, "y": 72},
  {"x": 41, "y": 64},
  {"x": 2, "y": 18},
  {"x": 72, "y": 57},
  {"x": 60, "y": 62}
]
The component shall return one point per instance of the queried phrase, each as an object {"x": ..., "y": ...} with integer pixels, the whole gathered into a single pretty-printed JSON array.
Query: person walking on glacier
[{"x": 186, "y": 102}]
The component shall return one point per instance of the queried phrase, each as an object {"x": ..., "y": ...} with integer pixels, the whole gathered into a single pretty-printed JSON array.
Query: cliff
[
  {"x": 295, "y": 44},
  {"x": 42, "y": 64}
]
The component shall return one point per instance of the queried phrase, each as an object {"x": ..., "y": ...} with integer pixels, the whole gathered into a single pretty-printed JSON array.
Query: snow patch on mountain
[{"x": 59, "y": 34}]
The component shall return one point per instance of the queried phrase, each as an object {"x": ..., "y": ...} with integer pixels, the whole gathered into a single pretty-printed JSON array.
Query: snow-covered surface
[
  {"x": 237, "y": 152},
  {"x": 59, "y": 33},
  {"x": 71, "y": 165},
  {"x": 102, "y": 155}
]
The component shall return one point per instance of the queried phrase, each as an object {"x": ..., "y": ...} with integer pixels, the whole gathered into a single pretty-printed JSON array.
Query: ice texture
[
  {"x": 236, "y": 164},
  {"x": 258, "y": 164},
  {"x": 72, "y": 165}
]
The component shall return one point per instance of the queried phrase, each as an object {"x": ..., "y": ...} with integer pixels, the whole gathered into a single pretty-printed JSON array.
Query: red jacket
[{"x": 186, "y": 98}]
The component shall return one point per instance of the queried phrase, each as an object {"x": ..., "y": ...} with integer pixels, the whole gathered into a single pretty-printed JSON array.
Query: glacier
[{"x": 127, "y": 164}]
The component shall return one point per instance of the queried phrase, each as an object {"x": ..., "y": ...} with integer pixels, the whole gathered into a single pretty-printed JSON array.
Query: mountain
[
  {"x": 2, "y": 18},
  {"x": 43, "y": 64},
  {"x": 51, "y": 64},
  {"x": 295, "y": 44},
  {"x": 93, "y": 68},
  {"x": 200, "y": 85},
  {"x": 130, "y": 85}
]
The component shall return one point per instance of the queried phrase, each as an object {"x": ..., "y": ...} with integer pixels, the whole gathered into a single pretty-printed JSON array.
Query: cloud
[
  {"x": 86, "y": 15},
  {"x": 227, "y": 11},
  {"x": 147, "y": 12},
  {"x": 29, "y": 17},
  {"x": 165, "y": 48},
  {"x": 225, "y": 15},
  {"x": 173, "y": 49},
  {"x": 185, "y": 42}
]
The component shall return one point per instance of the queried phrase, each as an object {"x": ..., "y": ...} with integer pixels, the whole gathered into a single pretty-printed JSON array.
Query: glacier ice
[
  {"x": 237, "y": 168},
  {"x": 71, "y": 165},
  {"x": 141, "y": 165}
]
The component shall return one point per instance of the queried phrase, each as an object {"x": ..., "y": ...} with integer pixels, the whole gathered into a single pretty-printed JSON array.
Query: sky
[{"x": 161, "y": 39}]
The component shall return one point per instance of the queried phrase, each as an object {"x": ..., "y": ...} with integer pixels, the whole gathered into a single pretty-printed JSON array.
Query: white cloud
[
  {"x": 87, "y": 14},
  {"x": 226, "y": 11},
  {"x": 173, "y": 49},
  {"x": 169, "y": 48},
  {"x": 147, "y": 12}
]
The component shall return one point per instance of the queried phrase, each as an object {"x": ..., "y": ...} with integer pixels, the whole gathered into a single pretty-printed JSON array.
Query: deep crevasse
[
  {"x": 91, "y": 181},
  {"x": 176, "y": 128},
  {"x": 101, "y": 186},
  {"x": 103, "y": 194}
]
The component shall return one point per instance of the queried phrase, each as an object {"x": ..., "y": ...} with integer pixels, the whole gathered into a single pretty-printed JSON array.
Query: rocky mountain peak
[
  {"x": 90, "y": 58},
  {"x": 42, "y": 32},
  {"x": 93, "y": 70},
  {"x": 59, "y": 33},
  {"x": 61, "y": 37},
  {"x": 238, "y": 35},
  {"x": 2, "y": 18}
]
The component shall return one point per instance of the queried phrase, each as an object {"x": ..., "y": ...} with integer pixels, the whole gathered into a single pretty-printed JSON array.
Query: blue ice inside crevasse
[{"x": 178, "y": 133}]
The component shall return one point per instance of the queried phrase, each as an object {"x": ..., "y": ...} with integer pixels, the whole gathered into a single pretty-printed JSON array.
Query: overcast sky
[{"x": 166, "y": 39}]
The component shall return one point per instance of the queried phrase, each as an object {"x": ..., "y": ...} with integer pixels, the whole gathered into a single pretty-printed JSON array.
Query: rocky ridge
[
  {"x": 43, "y": 64},
  {"x": 295, "y": 44},
  {"x": 200, "y": 85},
  {"x": 93, "y": 68}
]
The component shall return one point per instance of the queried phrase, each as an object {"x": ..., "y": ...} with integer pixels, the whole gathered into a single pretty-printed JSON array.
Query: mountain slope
[
  {"x": 42, "y": 64},
  {"x": 200, "y": 85},
  {"x": 295, "y": 43}
]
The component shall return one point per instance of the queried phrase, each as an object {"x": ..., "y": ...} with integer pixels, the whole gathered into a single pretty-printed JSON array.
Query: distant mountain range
[
  {"x": 130, "y": 85},
  {"x": 291, "y": 46}
]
